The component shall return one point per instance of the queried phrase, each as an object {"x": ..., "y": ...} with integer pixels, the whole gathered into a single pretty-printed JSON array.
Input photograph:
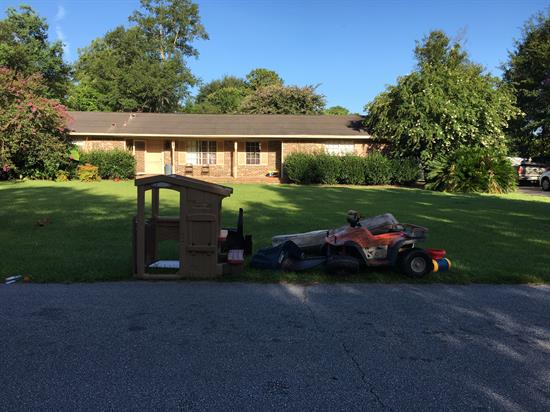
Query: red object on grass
[
  {"x": 235, "y": 256},
  {"x": 436, "y": 253}
]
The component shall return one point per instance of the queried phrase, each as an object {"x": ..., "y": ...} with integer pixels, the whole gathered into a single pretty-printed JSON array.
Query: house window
[
  {"x": 201, "y": 152},
  {"x": 339, "y": 148},
  {"x": 253, "y": 153}
]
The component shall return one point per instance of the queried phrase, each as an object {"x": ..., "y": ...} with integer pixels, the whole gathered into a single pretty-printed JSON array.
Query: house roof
[{"x": 222, "y": 125}]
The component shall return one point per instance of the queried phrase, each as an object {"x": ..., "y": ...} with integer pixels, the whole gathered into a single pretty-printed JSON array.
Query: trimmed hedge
[
  {"x": 378, "y": 169},
  {"x": 112, "y": 164},
  {"x": 375, "y": 169}
]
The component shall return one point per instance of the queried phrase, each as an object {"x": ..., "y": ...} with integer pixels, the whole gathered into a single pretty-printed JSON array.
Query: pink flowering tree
[{"x": 34, "y": 139}]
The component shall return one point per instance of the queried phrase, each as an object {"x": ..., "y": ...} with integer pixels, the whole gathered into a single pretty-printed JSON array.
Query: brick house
[{"x": 217, "y": 145}]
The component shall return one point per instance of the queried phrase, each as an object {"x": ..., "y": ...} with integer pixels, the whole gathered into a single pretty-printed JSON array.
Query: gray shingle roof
[{"x": 103, "y": 123}]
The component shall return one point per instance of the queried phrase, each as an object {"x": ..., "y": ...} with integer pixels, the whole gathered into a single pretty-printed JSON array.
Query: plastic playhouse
[{"x": 202, "y": 244}]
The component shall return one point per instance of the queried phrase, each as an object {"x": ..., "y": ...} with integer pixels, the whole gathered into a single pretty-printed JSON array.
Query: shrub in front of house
[
  {"x": 352, "y": 170},
  {"x": 375, "y": 169},
  {"x": 472, "y": 170},
  {"x": 88, "y": 173},
  {"x": 301, "y": 168},
  {"x": 378, "y": 169},
  {"x": 112, "y": 164},
  {"x": 405, "y": 171},
  {"x": 328, "y": 168}
]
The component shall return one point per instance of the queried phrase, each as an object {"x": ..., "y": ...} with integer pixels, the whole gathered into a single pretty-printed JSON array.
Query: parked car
[
  {"x": 544, "y": 181},
  {"x": 529, "y": 171}
]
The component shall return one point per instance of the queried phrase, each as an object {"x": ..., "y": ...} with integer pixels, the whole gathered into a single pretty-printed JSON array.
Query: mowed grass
[{"x": 502, "y": 239}]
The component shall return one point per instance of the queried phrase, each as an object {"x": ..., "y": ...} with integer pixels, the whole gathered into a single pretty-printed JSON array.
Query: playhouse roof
[{"x": 167, "y": 181}]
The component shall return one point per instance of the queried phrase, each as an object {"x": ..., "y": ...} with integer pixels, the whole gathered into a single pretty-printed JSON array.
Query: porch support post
[
  {"x": 282, "y": 159},
  {"x": 140, "y": 235},
  {"x": 173, "y": 156},
  {"x": 235, "y": 159}
]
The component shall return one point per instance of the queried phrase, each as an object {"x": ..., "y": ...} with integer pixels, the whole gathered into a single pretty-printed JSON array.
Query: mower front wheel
[
  {"x": 414, "y": 263},
  {"x": 342, "y": 265}
]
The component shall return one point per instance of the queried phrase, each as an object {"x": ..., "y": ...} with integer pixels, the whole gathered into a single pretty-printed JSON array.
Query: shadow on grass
[
  {"x": 488, "y": 239},
  {"x": 86, "y": 236}
]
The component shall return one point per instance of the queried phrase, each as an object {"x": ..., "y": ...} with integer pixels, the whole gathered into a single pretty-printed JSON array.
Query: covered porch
[{"x": 213, "y": 160}]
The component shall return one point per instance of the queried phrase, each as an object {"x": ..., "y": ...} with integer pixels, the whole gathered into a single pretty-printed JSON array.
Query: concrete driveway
[{"x": 220, "y": 346}]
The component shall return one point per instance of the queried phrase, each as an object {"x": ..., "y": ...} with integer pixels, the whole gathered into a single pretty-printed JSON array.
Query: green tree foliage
[
  {"x": 141, "y": 68},
  {"x": 84, "y": 97},
  {"x": 24, "y": 47},
  {"x": 260, "y": 77},
  {"x": 225, "y": 82},
  {"x": 170, "y": 26},
  {"x": 263, "y": 92},
  {"x": 278, "y": 99},
  {"x": 34, "y": 141},
  {"x": 528, "y": 71},
  {"x": 336, "y": 111},
  {"x": 446, "y": 103},
  {"x": 226, "y": 100}
]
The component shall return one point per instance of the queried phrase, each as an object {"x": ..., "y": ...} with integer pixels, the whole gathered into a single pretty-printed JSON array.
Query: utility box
[{"x": 196, "y": 228}]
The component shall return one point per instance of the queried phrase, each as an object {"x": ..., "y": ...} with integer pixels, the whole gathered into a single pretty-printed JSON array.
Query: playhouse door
[{"x": 154, "y": 157}]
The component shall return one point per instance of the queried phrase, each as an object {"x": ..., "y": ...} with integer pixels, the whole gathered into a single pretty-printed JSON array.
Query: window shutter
[{"x": 191, "y": 156}]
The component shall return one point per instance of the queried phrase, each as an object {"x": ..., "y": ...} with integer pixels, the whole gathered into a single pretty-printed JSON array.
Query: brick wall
[{"x": 270, "y": 156}]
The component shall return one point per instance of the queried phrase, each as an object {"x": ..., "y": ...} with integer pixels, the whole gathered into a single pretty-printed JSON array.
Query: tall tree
[
  {"x": 528, "y": 71},
  {"x": 446, "y": 103},
  {"x": 336, "y": 111},
  {"x": 34, "y": 140},
  {"x": 141, "y": 68},
  {"x": 278, "y": 99},
  {"x": 260, "y": 77},
  {"x": 207, "y": 89},
  {"x": 170, "y": 27},
  {"x": 224, "y": 100},
  {"x": 24, "y": 47}
]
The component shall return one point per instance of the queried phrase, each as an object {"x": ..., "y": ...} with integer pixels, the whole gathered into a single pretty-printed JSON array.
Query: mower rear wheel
[
  {"x": 414, "y": 263},
  {"x": 342, "y": 265}
]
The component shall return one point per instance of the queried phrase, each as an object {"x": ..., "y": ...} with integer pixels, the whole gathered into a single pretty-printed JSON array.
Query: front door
[{"x": 154, "y": 157}]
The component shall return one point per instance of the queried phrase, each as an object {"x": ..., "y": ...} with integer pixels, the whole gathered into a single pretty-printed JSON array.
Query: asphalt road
[
  {"x": 533, "y": 190},
  {"x": 226, "y": 346}
]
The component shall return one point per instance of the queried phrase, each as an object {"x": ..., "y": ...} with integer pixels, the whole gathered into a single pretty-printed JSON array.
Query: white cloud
[
  {"x": 66, "y": 45},
  {"x": 61, "y": 13}
]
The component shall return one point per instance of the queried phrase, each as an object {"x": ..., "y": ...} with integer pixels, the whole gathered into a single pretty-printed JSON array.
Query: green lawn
[{"x": 488, "y": 238}]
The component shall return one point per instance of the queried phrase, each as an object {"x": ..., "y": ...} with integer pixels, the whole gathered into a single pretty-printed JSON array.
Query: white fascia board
[{"x": 227, "y": 136}]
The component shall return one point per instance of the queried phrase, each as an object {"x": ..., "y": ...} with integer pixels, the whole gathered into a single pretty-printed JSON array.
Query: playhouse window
[
  {"x": 253, "y": 153},
  {"x": 202, "y": 152}
]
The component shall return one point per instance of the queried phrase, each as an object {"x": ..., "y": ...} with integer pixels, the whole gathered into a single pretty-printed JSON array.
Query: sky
[{"x": 351, "y": 49}]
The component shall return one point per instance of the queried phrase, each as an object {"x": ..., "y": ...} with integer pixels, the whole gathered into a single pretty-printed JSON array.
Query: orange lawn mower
[{"x": 355, "y": 247}]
